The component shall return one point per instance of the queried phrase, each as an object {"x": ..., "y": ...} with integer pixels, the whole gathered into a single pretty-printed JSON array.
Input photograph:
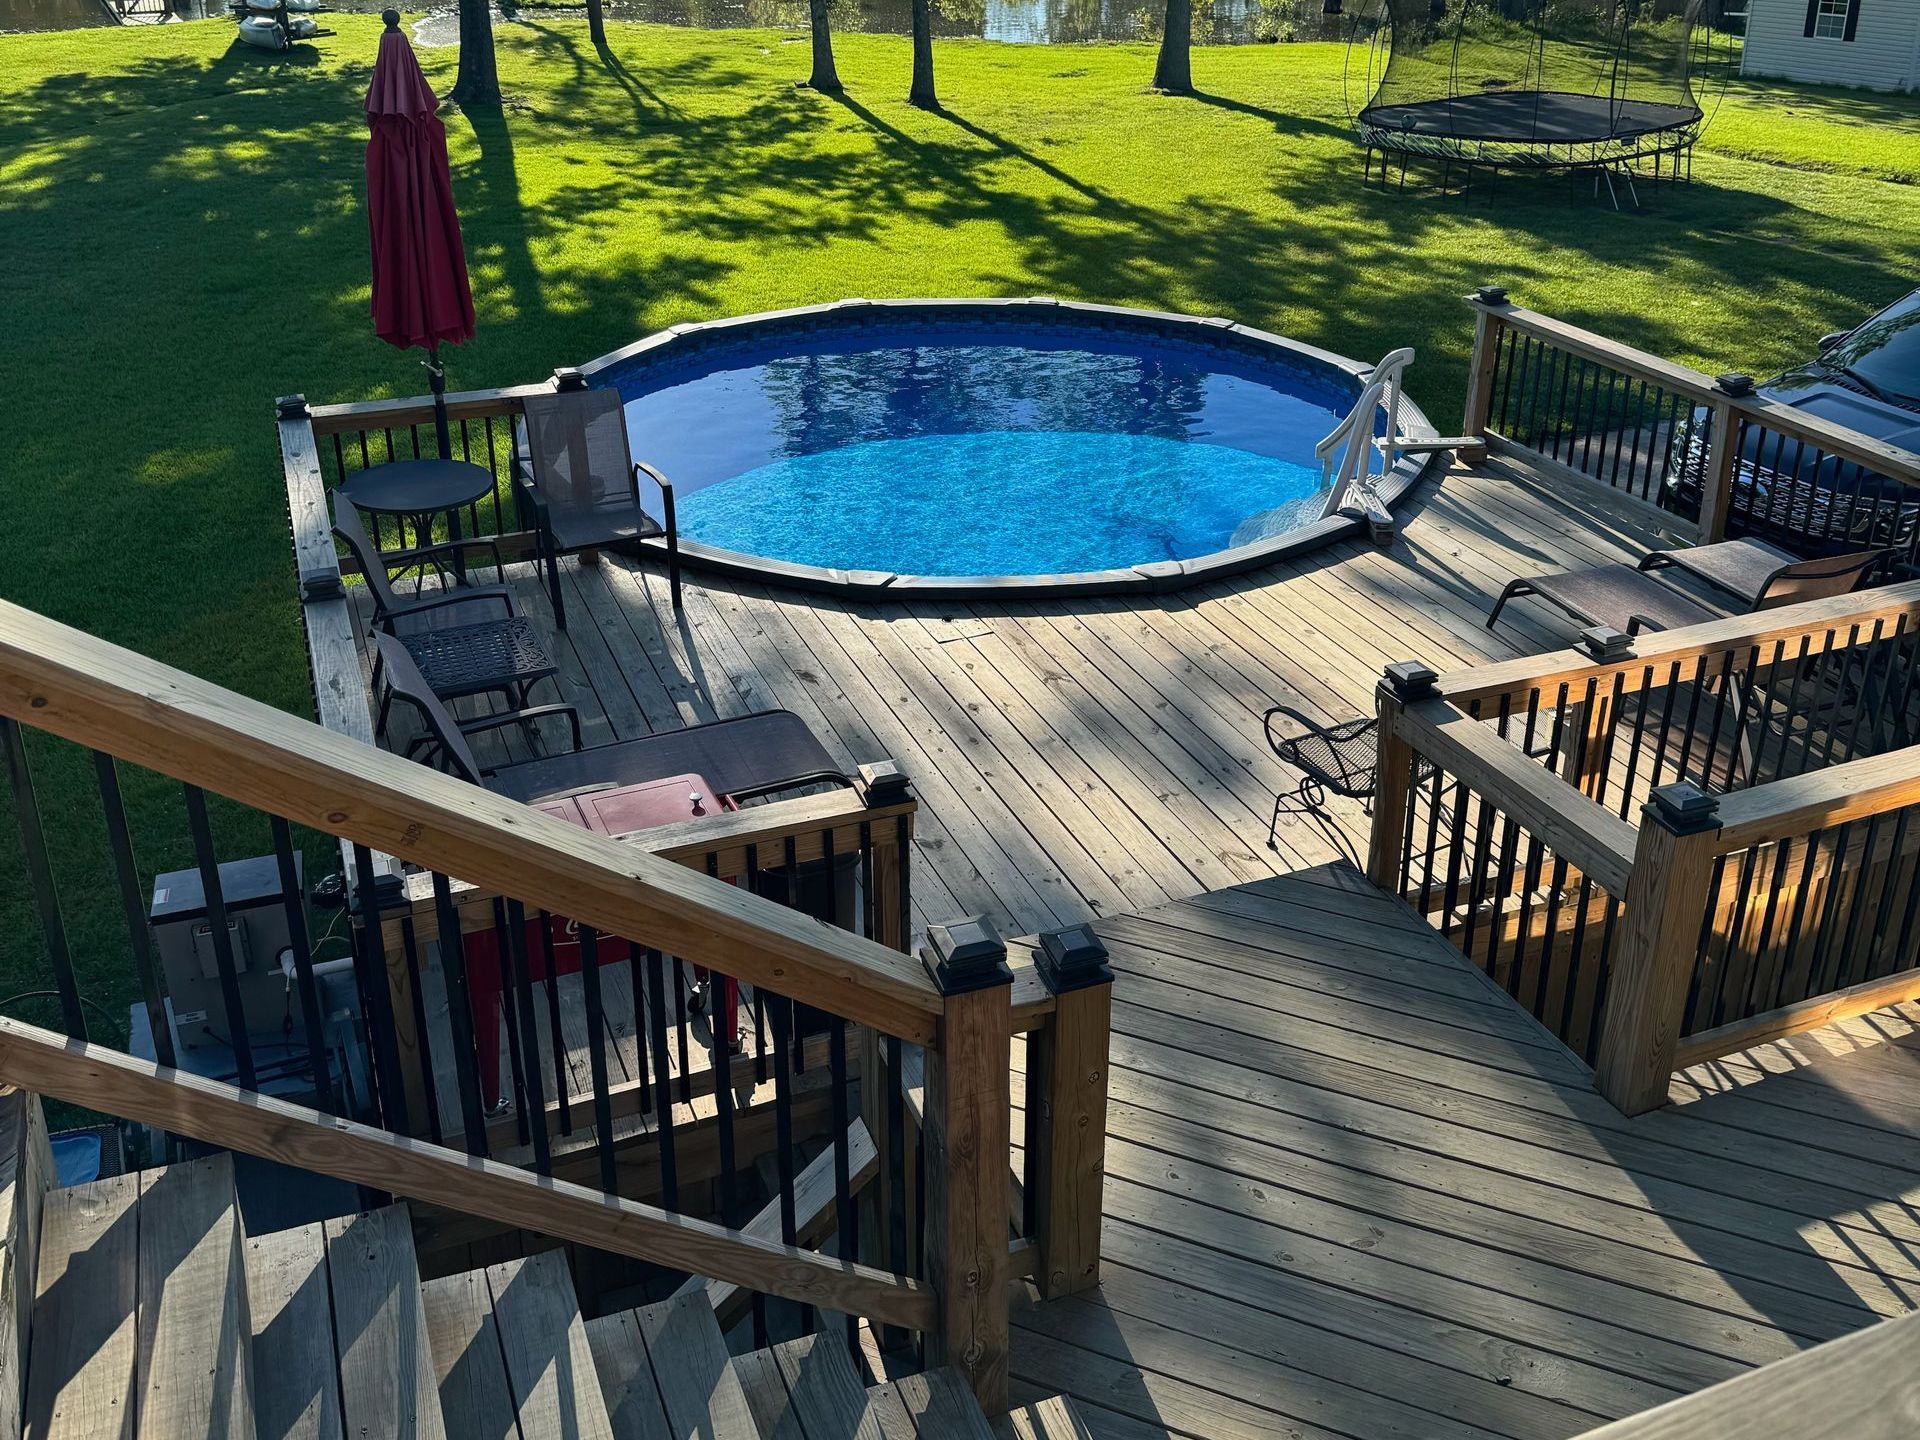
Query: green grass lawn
[{"x": 181, "y": 240}]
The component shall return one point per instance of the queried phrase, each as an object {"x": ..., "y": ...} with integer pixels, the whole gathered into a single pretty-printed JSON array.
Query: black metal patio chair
[
  {"x": 466, "y": 640},
  {"x": 1343, "y": 757},
  {"x": 579, "y": 481}
]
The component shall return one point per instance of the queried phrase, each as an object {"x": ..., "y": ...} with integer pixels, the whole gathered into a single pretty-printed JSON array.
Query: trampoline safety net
[{"x": 1515, "y": 82}]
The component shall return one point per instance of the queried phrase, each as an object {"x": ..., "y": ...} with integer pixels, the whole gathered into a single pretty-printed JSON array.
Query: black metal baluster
[
  {"x": 422, "y": 1035},
  {"x": 523, "y": 1001},
  {"x": 682, "y": 1022},
  {"x": 662, "y": 1079},
  {"x": 294, "y": 901},
  {"x": 759, "y": 1000},
  {"x": 1810, "y": 854},
  {"x": 597, "y": 1055},
  {"x": 1574, "y": 968},
  {"x": 510, "y": 1018},
  {"x": 46, "y": 896},
  {"x": 722, "y": 1082},
  {"x": 557, "y": 1040},
  {"x": 453, "y": 974},
  {"x": 377, "y": 1000},
  {"x": 221, "y": 938},
  {"x": 782, "y": 1015},
  {"x": 133, "y": 907},
  {"x": 844, "y": 1213}
]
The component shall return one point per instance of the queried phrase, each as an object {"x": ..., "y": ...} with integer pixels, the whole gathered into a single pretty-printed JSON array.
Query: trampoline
[{"x": 1601, "y": 85}]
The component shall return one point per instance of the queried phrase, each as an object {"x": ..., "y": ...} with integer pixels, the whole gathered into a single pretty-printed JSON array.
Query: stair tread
[
  {"x": 825, "y": 1389},
  {"x": 890, "y": 1412},
  {"x": 296, "y": 1381},
  {"x": 941, "y": 1404},
  {"x": 195, "y": 1361},
  {"x": 632, "y": 1396},
  {"x": 469, "y": 1369},
  {"x": 767, "y": 1396},
  {"x": 1051, "y": 1419},
  {"x": 664, "y": 1371},
  {"x": 550, "y": 1366},
  {"x": 85, "y": 1340},
  {"x": 387, "y": 1380}
]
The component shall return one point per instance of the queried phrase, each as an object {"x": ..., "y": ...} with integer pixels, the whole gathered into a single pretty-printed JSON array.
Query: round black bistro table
[{"x": 416, "y": 491}]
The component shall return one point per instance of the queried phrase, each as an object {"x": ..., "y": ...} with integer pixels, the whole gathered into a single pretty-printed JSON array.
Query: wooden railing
[
  {"x": 1707, "y": 839},
  {"x": 454, "y": 849},
  {"x": 1719, "y": 459}
]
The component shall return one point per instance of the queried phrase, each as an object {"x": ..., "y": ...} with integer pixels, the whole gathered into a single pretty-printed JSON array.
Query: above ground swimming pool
[{"x": 947, "y": 444}]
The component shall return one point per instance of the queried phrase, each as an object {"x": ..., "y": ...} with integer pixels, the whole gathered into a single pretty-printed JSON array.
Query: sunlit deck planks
[
  {"x": 1353, "y": 1191},
  {"x": 1089, "y": 757}
]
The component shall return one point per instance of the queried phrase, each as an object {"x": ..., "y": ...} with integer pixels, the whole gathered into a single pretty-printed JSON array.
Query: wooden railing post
[
  {"x": 1723, "y": 456},
  {"x": 1066, "y": 1138},
  {"x": 1487, "y": 301},
  {"x": 967, "y": 1144},
  {"x": 884, "y": 783},
  {"x": 1659, "y": 937},
  {"x": 1404, "y": 682}
]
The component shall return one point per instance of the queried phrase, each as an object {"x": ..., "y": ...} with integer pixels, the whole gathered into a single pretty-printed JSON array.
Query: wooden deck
[
  {"x": 1352, "y": 1190},
  {"x": 1079, "y": 758}
]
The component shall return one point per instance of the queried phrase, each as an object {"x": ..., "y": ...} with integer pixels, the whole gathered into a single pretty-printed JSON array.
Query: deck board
[
  {"x": 1328, "y": 1214},
  {"x": 1353, "y": 1190}
]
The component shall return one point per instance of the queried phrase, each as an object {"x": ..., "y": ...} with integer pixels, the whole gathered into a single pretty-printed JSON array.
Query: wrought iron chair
[{"x": 1343, "y": 757}]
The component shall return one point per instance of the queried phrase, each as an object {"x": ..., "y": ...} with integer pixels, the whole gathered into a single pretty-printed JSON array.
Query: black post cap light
[
  {"x": 1733, "y": 383},
  {"x": 1685, "y": 808},
  {"x": 568, "y": 378},
  {"x": 1409, "y": 680},
  {"x": 1072, "y": 958},
  {"x": 965, "y": 956},
  {"x": 884, "y": 783},
  {"x": 1606, "y": 644},
  {"x": 1491, "y": 294}
]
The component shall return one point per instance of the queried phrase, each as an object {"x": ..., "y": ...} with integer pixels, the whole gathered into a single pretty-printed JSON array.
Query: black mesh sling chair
[
  {"x": 1629, "y": 598},
  {"x": 467, "y": 640},
  {"x": 580, "y": 485},
  {"x": 745, "y": 757}
]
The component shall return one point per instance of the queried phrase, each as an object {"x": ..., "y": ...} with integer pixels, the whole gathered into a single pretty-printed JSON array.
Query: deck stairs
[{"x": 153, "y": 1313}]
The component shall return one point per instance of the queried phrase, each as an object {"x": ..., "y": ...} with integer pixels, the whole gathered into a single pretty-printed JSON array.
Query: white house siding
[{"x": 1883, "y": 55}]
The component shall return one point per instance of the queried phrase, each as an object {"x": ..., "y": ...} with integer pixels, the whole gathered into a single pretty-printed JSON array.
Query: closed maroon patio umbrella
[{"x": 420, "y": 291}]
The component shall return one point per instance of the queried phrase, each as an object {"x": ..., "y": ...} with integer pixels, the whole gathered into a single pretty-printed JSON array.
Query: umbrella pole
[{"x": 437, "y": 381}]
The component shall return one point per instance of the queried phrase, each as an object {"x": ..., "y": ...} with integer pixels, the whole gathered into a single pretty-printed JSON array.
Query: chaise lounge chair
[
  {"x": 1750, "y": 573},
  {"x": 579, "y": 480},
  {"x": 743, "y": 758}
]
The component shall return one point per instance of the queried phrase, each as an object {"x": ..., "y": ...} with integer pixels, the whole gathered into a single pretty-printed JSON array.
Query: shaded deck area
[
  {"x": 1352, "y": 1190},
  {"x": 1089, "y": 757}
]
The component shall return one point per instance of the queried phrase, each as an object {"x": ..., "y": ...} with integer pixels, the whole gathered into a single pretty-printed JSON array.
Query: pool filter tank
[{"x": 257, "y": 940}]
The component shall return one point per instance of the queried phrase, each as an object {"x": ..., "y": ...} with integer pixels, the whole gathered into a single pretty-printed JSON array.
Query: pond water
[{"x": 1035, "y": 22}]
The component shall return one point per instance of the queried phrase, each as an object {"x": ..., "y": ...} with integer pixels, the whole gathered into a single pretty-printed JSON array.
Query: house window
[{"x": 1830, "y": 20}]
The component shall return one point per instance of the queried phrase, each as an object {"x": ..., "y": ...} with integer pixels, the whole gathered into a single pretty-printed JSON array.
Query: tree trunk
[
  {"x": 478, "y": 82},
  {"x": 824, "y": 76},
  {"x": 1173, "y": 73},
  {"x": 921, "y": 91},
  {"x": 597, "y": 24}
]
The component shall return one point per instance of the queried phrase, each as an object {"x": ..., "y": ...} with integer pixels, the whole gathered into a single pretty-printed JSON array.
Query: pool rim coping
[{"x": 1152, "y": 577}]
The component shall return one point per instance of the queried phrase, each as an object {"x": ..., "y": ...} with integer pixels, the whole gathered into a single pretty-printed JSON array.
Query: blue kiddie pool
[{"x": 935, "y": 446}]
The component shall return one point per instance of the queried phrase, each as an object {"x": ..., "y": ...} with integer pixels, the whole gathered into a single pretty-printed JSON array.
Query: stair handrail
[
  {"x": 118, "y": 702},
  {"x": 99, "y": 1078}
]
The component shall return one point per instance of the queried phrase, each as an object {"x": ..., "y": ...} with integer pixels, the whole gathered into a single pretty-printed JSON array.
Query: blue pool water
[{"x": 983, "y": 451}]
